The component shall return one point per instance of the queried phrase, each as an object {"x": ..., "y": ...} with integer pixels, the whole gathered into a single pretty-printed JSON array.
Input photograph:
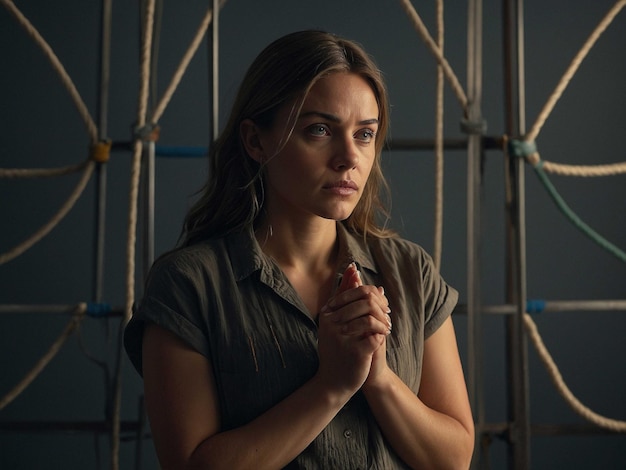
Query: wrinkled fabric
[{"x": 233, "y": 304}]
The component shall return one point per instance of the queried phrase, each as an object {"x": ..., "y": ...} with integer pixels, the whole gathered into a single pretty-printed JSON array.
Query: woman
[{"x": 289, "y": 329}]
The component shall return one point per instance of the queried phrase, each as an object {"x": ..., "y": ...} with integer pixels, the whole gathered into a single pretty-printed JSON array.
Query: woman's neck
[
  {"x": 307, "y": 255},
  {"x": 306, "y": 247}
]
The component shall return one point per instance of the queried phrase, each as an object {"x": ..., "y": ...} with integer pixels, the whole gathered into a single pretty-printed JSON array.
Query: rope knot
[
  {"x": 100, "y": 152},
  {"x": 477, "y": 127},
  {"x": 147, "y": 133},
  {"x": 525, "y": 149}
]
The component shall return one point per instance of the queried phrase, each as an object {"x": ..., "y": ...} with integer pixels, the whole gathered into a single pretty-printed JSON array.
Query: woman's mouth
[{"x": 342, "y": 188}]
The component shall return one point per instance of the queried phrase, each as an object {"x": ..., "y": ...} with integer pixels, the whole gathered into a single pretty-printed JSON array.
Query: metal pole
[
  {"x": 149, "y": 196},
  {"x": 550, "y": 306},
  {"x": 101, "y": 168},
  {"x": 517, "y": 353},
  {"x": 474, "y": 183}
]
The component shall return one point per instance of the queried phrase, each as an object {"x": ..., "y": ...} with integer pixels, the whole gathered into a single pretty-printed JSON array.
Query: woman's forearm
[
  {"x": 277, "y": 436},
  {"x": 422, "y": 436}
]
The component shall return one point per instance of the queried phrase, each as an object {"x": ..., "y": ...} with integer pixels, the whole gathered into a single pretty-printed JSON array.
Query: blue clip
[
  {"x": 535, "y": 305},
  {"x": 98, "y": 309}
]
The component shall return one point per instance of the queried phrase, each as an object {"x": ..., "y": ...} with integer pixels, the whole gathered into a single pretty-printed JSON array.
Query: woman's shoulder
[
  {"x": 200, "y": 256},
  {"x": 399, "y": 249}
]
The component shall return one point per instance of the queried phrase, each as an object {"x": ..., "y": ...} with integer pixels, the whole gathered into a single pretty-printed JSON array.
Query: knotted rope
[
  {"x": 561, "y": 386},
  {"x": 531, "y": 136},
  {"x": 527, "y": 149},
  {"x": 57, "y": 65},
  {"x": 436, "y": 51},
  {"x": 54, "y": 221},
  {"x": 87, "y": 166},
  {"x": 131, "y": 235},
  {"x": 41, "y": 364},
  {"x": 439, "y": 163},
  {"x": 184, "y": 63},
  {"x": 41, "y": 172},
  {"x": 144, "y": 130},
  {"x": 524, "y": 149}
]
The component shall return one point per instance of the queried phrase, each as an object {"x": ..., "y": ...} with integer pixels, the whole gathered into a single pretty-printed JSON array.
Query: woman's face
[{"x": 322, "y": 169}]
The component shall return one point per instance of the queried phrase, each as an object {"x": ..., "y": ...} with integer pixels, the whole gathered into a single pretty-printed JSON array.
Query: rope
[
  {"x": 528, "y": 150},
  {"x": 56, "y": 64},
  {"x": 561, "y": 386},
  {"x": 581, "y": 170},
  {"x": 575, "y": 219},
  {"x": 184, "y": 63},
  {"x": 571, "y": 70},
  {"x": 531, "y": 136},
  {"x": 88, "y": 166},
  {"x": 436, "y": 51},
  {"x": 438, "y": 229},
  {"x": 142, "y": 111},
  {"x": 53, "y": 222},
  {"x": 78, "y": 316},
  {"x": 41, "y": 172}
]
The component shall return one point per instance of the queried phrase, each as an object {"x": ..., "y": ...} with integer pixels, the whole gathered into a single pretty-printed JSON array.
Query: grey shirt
[{"x": 234, "y": 305}]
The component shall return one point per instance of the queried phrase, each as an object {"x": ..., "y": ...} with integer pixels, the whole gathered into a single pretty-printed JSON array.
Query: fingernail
[
  {"x": 325, "y": 309},
  {"x": 381, "y": 289}
]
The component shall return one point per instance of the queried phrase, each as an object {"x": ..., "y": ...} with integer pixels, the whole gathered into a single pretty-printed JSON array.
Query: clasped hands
[{"x": 353, "y": 327}]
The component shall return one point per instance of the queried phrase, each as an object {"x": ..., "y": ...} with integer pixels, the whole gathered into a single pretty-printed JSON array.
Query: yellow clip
[{"x": 100, "y": 151}]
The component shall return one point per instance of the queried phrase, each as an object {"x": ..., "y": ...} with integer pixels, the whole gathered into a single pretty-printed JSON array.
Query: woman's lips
[{"x": 342, "y": 188}]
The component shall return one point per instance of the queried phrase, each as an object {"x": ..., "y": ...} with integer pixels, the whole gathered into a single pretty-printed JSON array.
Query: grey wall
[{"x": 39, "y": 127}]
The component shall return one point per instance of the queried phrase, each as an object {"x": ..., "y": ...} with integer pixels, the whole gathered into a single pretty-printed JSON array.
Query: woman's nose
[{"x": 346, "y": 154}]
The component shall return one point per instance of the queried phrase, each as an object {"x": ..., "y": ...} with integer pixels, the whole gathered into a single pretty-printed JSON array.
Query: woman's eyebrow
[{"x": 333, "y": 118}]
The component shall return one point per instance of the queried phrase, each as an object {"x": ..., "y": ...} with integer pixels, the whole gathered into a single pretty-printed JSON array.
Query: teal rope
[{"x": 569, "y": 213}]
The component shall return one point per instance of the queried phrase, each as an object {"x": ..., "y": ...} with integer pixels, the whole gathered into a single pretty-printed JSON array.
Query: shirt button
[{"x": 347, "y": 434}]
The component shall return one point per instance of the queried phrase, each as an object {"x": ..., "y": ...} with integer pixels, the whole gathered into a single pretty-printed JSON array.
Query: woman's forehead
[{"x": 339, "y": 94}]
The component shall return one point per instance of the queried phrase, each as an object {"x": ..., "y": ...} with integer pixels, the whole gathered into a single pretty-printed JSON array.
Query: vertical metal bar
[
  {"x": 148, "y": 161},
  {"x": 474, "y": 154},
  {"x": 101, "y": 168},
  {"x": 100, "y": 232},
  {"x": 517, "y": 354},
  {"x": 149, "y": 203}
]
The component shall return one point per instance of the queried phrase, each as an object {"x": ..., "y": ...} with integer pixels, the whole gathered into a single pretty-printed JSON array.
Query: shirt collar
[
  {"x": 247, "y": 257},
  {"x": 352, "y": 248}
]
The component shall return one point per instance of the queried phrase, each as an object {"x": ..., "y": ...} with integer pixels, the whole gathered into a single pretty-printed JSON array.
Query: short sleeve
[
  {"x": 172, "y": 299},
  {"x": 439, "y": 300}
]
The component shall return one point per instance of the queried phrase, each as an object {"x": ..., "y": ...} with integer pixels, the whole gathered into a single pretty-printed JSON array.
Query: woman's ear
[{"x": 251, "y": 138}]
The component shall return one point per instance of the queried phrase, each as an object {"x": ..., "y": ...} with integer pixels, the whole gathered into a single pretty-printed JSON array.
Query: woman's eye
[
  {"x": 318, "y": 130},
  {"x": 365, "y": 135}
]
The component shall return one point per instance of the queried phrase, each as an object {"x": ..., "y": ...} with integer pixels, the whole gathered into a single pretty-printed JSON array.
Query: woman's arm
[
  {"x": 182, "y": 405},
  {"x": 434, "y": 429},
  {"x": 183, "y": 408}
]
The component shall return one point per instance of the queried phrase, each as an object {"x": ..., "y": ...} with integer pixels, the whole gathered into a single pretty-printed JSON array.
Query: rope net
[
  {"x": 146, "y": 119},
  {"x": 444, "y": 68},
  {"x": 531, "y": 136}
]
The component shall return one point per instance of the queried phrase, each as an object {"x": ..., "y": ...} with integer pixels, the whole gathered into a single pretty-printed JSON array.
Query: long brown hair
[{"x": 283, "y": 72}]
